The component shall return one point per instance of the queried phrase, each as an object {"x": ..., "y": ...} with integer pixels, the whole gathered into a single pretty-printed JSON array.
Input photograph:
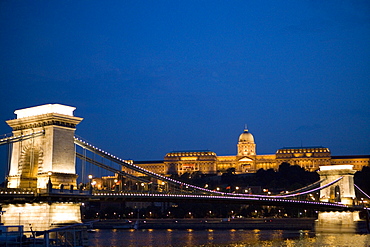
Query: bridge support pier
[
  {"x": 41, "y": 216},
  {"x": 340, "y": 222}
]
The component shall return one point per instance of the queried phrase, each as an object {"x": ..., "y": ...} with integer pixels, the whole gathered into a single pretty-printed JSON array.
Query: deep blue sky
[{"x": 150, "y": 77}]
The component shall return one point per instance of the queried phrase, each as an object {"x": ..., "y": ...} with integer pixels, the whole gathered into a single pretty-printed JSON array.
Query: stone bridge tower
[
  {"x": 342, "y": 192},
  {"x": 49, "y": 155}
]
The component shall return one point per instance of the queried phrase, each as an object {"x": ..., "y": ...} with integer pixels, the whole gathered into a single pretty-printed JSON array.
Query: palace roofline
[
  {"x": 190, "y": 151},
  {"x": 302, "y": 147},
  {"x": 350, "y": 156},
  {"x": 148, "y": 162}
]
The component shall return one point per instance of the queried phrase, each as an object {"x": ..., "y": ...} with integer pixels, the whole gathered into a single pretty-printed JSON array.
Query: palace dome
[{"x": 246, "y": 137}]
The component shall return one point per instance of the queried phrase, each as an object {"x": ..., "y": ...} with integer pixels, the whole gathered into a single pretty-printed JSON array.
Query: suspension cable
[
  {"x": 179, "y": 183},
  {"x": 363, "y": 192},
  {"x": 12, "y": 139},
  {"x": 111, "y": 169}
]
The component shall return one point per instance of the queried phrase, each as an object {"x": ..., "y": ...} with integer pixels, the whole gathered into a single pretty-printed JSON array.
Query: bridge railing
[
  {"x": 17, "y": 191},
  {"x": 63, "y": 191}
]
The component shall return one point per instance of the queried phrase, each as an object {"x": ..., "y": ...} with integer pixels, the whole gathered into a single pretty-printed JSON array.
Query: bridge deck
[{"x": 27, "y": 196}]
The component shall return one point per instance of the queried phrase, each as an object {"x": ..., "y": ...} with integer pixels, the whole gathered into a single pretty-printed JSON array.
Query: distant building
[{"x": 247, "y": 161}]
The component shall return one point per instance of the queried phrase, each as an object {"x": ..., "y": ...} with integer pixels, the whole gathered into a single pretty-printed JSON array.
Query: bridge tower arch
[{"x": 50, "y": 155}]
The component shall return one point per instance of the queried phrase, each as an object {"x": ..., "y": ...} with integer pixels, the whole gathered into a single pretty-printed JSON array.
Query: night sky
[{"x": 150, "y": 77}]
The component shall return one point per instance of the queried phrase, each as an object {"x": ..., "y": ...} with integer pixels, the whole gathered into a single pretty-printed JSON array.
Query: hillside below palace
[{"x": 247, "y": 161}]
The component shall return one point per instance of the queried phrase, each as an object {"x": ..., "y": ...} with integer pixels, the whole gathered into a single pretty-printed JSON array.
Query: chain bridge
[{"x": 51, "y": 172}]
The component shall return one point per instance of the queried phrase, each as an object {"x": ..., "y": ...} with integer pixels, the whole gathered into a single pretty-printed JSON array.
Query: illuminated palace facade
[{"x": 247, "y": 161}]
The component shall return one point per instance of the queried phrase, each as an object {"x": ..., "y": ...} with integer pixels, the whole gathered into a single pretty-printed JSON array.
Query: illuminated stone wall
[
  {"x": 41, "y": 216},
  {"x": 191, "y": 162},
  {"x": 340, "y": 222},
  {"x": 343, "y": 191},
  {"x": 51, "y": 154},
  {"x": 358, "y": 161},
  {"x": 309, "y": 158}
]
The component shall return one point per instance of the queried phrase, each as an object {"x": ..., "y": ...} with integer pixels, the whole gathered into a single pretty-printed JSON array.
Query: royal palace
[{"x": 247, "y": 161}]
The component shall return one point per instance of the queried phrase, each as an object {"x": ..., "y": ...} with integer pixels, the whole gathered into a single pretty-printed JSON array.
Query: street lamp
[
  {"x": 90, "y": 181},
  {"x": 115, "y": 184},
  {"x": 49, "y": 184},
  {"x": 142, "y": 188}
]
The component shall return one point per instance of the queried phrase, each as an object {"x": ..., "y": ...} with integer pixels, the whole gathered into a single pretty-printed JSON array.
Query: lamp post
[
  {"x": 49, "y": 185},
  {"x": 115, "y": 185},
  {"x": 90, "y": 181},
  {"x": 237, "y": 189}
]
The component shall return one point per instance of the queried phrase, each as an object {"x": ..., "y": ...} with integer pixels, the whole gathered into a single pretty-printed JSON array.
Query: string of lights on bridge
[
  {"x": 189, "y": 196},
  {"x": 17, "y": 192},
  {"x": 246, "y": 198}
]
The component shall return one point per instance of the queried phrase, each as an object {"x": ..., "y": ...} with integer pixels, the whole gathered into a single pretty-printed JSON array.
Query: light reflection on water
[{"x": 234, "y": 238}]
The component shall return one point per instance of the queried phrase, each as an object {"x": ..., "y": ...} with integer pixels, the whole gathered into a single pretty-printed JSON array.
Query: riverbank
[{"x": 211, "y": 223}]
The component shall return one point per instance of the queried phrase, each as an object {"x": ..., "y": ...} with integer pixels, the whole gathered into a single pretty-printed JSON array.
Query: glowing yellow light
[{"x": 336, "y": 167}]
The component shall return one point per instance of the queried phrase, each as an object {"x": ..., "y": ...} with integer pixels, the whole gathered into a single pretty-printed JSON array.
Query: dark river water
[{"x": 178, "y": 238}]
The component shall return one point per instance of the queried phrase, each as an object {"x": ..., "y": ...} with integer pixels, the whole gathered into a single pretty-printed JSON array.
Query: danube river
[{"x": 178, "y": 238}]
